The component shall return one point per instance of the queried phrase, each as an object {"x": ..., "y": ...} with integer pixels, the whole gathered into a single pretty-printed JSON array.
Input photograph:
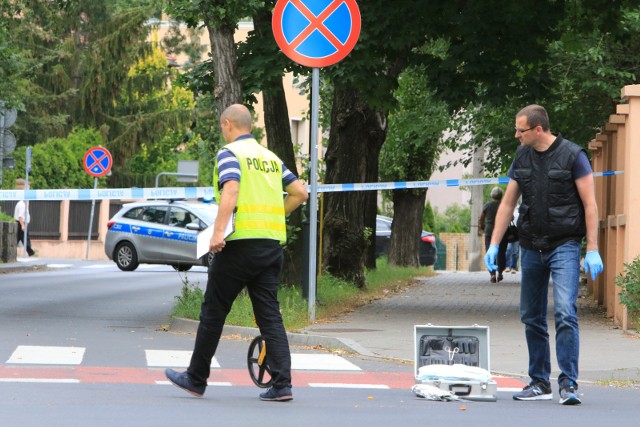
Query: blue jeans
[{"x": 562, "y": 264}]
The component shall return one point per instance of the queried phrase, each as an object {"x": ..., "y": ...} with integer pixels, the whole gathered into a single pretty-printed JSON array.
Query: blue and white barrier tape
[{"x": 207, "y": 192}]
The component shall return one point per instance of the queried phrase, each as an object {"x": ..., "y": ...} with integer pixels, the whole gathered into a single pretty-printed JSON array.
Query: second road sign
[{"x": 97, "y": 161}]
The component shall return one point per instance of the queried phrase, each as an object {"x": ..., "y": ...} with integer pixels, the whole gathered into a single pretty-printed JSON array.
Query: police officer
[{"x": 248, "y": 183}]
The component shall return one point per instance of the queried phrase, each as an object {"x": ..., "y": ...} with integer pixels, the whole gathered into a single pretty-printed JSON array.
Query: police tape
[{"x": 207, "y": 192}]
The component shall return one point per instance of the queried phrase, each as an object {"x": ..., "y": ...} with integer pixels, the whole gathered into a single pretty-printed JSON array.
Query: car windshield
[{"x": 206, "y": 212}]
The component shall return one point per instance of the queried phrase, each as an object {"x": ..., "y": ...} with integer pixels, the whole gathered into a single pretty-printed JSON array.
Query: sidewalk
[{"x": 385, "y": 327}]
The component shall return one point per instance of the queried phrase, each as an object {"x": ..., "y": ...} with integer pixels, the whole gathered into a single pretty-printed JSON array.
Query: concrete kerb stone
[
  {"x": 179, "y": 324},
  {"x": 21, "y": 267}
]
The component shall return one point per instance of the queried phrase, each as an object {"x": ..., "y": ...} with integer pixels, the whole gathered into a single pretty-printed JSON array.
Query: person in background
[
  {"x": 513, "y": 249},
  {"x": 486, "y": 225},
  {"x": 558, "y": 210},
  {"x": 248, "y": 179},
  {"x": 22, "y": 217}
]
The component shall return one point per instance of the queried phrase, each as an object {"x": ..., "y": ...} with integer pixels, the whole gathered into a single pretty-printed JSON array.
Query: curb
[
  {"x": 179, "y": 324},
  {"x": 21, "y": 268}
]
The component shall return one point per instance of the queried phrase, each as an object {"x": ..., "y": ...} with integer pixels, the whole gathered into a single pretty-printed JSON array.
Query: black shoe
[
  {"x": 493, "y": 277},
  {"x": 277, "y": 394},
  {"x": 569, "y": 393},
  {"x": 183, "y": 380},
  {"x": 537, "y": 390},
  {"x": 500, "y": 277}
]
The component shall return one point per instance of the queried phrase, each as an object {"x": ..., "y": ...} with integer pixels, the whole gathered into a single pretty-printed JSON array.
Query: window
[
  {"x": 133, "y": 213},
  {"x": 179, "y": 217},
  {"x": 154, "y": 214}
]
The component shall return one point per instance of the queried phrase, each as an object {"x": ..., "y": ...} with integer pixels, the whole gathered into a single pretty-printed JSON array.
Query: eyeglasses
[{"x": 524, "y": 130}]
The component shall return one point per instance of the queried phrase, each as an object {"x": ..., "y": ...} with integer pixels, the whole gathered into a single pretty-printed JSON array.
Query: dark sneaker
[
  {"x": 569, "y": 393},
  {"x": 500, "y": 277},
  {"x": 537, "y": 390},
  {"x": 277, "y": 394},
  {"x": 183, "y": 380},
  {"x": 493, "y": 277}
]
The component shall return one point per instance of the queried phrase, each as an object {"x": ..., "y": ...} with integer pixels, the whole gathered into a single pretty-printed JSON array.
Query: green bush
[
  {"x": 334, "y": 296},
  {"x": 629, "y": 282}
]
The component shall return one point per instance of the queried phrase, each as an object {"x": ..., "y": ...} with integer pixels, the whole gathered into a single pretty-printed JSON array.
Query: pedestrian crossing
[
  {"x": 66, "y": 365},
  {"x": 60, "y": 355}
]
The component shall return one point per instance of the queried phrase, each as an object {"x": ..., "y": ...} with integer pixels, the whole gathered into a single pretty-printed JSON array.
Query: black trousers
[
  {"x": 26, "y": 244},
  {"x": 255, "y": 264}
]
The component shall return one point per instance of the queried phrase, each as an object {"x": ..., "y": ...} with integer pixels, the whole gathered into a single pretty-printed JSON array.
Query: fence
[
  {"x": 59, "y": 228},
  {"x": 617, "y": 147}
]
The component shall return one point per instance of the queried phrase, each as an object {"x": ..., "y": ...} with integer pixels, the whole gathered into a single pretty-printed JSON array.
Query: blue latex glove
[
  {"x": 593, "y": 264},
  {"x": 490, "y": 258}
]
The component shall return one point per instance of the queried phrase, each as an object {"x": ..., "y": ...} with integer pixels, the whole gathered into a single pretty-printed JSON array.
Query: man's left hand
[{"x": 593, "y": 264}]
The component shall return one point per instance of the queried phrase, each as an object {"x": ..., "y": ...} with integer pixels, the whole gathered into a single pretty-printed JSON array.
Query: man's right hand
[{"x": 490, "y": 258}]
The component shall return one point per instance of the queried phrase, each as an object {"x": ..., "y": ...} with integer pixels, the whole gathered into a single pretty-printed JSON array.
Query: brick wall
[{"x": 458, "y": 256}]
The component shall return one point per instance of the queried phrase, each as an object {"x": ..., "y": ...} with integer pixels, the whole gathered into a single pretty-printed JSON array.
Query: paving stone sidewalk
[{"x": 386, "y": 327}]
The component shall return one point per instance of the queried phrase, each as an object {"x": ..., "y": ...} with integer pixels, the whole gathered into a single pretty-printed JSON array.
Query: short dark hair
[{"x": 536, "y": 116}]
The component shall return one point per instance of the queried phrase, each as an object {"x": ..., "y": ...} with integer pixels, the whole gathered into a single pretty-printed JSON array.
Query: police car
[{"x": 158, "y": 232}]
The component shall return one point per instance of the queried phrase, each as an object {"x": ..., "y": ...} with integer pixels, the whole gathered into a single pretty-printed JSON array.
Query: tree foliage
[
  {"x": 57, "y": 162},
  {"x": 92, "y": 66},
  {"x": 587, "y": 58},
  {"x": 13, "y": 66}
]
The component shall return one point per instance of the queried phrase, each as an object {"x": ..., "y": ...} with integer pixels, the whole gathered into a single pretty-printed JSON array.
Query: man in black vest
[{"x": 558, "y": 209}]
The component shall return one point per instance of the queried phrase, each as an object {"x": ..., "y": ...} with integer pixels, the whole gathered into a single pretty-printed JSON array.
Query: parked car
[
  {"x": 158, "y": 232},
  {"x": 428, "y": 254}
]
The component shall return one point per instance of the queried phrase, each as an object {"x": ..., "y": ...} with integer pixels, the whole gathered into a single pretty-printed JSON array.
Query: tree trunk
[
  {"x": 404, "y": 247},
  {"x": 378, "y": 136},
  {"x": 356, "y": 136},
  {"x": 228, "y": 89},
  {"x": 278, "y": 129}
]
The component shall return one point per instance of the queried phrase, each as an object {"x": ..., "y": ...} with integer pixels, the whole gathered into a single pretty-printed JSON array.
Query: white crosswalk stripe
[
  {"x": 172, "y": 359},
  {"x": 47, "y": 355},
  {"x": 58, "y": 355},
  {"x": 321, "y": 362}
]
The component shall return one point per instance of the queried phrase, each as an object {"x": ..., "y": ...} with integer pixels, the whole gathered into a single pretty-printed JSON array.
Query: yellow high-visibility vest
[{"x": 260, "y": 207}]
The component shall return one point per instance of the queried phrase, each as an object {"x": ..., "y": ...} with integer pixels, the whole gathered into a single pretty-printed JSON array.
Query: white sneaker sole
[{"x": 539, "y": 397}]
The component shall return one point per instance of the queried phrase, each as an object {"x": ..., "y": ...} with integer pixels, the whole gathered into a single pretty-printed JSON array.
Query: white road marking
[
  {"x": 172, "y": 359},
  {"x": 43, "y": 355},
  {"x": 347, "y": 385},
  {"x": 211, "y": 384},
  {"x": 321, "y": 362},
  {"x": 40, "y": 380}
]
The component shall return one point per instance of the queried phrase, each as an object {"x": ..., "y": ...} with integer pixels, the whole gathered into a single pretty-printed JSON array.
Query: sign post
[
  {"x": 27, "y": 215},
  {"x": 97, "y": 162},
  {"x": 315, "y": 34}
]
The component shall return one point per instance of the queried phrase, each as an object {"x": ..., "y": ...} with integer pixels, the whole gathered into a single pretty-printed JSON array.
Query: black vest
[{"x": 551, "y": 212}]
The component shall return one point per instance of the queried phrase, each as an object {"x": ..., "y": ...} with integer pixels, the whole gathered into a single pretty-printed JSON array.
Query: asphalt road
[{"x": 116, "y": 322}]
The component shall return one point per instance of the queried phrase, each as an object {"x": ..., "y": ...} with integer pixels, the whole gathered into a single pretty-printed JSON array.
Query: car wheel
[
  {"x": 182, "y": 267},
  {"x": 207, "y": 259},
  {"x": 126, "y": 257}
]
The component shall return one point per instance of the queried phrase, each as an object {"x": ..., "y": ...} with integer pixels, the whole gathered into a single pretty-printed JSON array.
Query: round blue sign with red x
[
  {"x": 316, "y": 33},
  {"x": 97, "y": 161}
]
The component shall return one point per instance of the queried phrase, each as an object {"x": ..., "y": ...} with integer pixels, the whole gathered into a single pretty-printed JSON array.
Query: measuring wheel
[{"x": 257, "y": 363}]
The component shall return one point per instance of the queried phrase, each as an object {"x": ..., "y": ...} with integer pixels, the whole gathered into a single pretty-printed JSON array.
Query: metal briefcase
[{"x": 448, "y": 345}]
